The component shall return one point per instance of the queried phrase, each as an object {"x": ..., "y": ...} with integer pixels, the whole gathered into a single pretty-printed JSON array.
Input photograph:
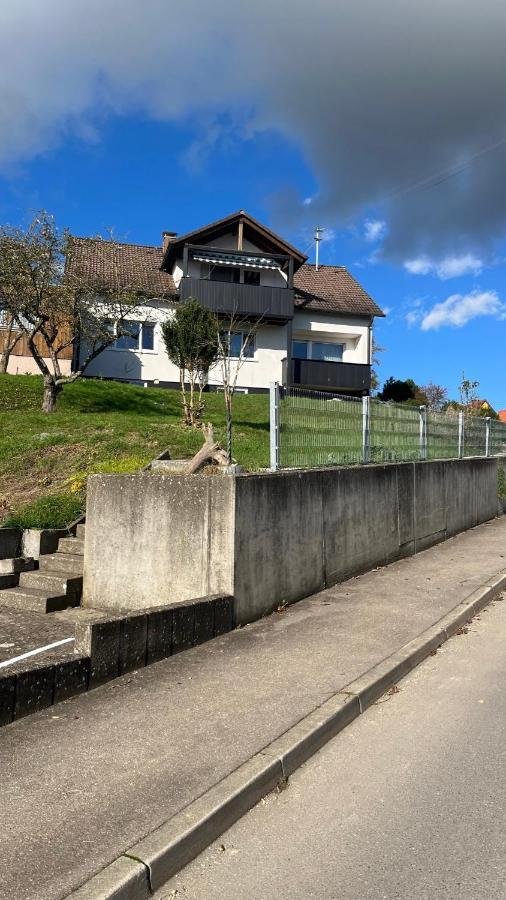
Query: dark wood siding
[
  {"x": 273, "y": 304},
  {"x": 327, "y": 376}
]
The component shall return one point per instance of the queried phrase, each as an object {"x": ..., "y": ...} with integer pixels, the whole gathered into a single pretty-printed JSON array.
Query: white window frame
[
  {"x": 311, "y": 341},
  {"x": 246, "y": 336},
  {"x": 139, "y": 348}
]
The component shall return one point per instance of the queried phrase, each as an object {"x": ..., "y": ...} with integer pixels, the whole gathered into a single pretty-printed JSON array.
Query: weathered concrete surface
[
  {"x": 114, "y": 765},
  {"x": 270, "y": 539},
  {"x": 10, "y": 542},
  {"x": 424, "y": 819},
  {"x": 38, "y": 541},
  {"x": 153, "y": 540}
]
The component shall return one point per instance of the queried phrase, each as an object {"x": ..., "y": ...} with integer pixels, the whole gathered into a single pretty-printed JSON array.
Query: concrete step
[
  {"x": 54, "y": 584},
  {"x": 8, "y": 581},
  {"x": 71, "y": 545},
  {"x": 19, "y": 564},
  {"x": 67, "y": 563},
  {"x": 80, "y": 532},
  {"x": 32, "y": 600}
]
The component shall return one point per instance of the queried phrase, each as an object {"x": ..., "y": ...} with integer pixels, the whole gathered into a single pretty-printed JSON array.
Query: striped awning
[{"x": 221, "y": 258}]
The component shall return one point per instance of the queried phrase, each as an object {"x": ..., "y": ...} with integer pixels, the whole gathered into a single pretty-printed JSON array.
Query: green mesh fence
[
  {"x": 442, "y": 435},
  {"x": 321, "y": 429},
  {"x": 497, "y": 437},
  {"x": 394, "y": 432}
]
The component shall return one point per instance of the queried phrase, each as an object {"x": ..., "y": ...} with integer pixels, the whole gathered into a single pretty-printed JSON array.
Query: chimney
[{"x": 167, "y": 237}]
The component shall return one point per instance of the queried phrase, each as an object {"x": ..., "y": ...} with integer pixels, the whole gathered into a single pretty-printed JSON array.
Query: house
[
  {"x": 311, "y": 326},
  {"x": 502, "y": 415},
  {"x": 21, "y": 362}
]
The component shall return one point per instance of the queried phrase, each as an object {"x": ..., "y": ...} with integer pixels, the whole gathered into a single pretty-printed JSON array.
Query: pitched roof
[
  {"x": 220, "y": 225},
  {"x": 329, "y": 289},
  {"x": 134, "y": 266},
  {"x": 332, "y": 289}
]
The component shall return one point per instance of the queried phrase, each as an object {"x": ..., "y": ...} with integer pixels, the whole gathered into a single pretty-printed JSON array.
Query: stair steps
[{"x": 55, "y": 585}]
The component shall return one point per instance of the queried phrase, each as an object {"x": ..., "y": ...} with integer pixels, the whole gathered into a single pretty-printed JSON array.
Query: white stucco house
[{"x": 313, "y": 326}]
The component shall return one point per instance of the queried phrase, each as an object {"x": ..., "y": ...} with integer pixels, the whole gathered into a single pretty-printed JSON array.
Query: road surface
[{"x": 409, "y": 802}]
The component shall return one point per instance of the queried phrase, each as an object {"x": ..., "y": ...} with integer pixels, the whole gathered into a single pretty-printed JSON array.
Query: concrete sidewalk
[{"x": 85, "y": 780}]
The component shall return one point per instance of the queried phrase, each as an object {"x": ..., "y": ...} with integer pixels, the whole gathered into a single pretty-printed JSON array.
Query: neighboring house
[
  {"x": 312, "y": 326},
  {"x": 502, "y": 415},
  {"x": 481, "y": 405},
  {"x": 21, "y": 362}
]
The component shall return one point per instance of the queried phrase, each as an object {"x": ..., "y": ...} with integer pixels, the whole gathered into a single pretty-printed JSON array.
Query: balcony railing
[
  {"x": 271, "y": 304},
  {"x": 327, "y": 376}
]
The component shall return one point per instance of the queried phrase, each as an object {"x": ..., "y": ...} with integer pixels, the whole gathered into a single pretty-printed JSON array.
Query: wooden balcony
[
  {"x": 327, "y": 376},
  {"x": 245, "y": 301}
]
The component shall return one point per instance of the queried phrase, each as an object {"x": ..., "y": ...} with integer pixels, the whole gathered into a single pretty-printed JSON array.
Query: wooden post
[{"x": 240, "y": 230}]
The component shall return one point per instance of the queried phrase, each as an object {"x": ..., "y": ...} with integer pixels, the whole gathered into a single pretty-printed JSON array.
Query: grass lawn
[{"x": 101, "y": 426}]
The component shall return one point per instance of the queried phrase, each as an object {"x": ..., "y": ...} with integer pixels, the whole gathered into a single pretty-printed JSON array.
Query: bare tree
[
  {"x": 59, "y": 307},
  {"x": 436, "y": 396},
  {"x": 235, "y": 338},
  {"x": 9, "y": 337},
  {"x": 468, "y": 391}
]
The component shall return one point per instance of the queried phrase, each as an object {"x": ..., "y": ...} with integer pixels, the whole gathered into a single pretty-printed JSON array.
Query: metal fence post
[
  {"x": 461, "y": 434},
  {"x": 366, "y": 429},
  {"x": 274, "y": 424},
  {"x": 487, "y": 435},
  {"x": 423, "y": 432}
]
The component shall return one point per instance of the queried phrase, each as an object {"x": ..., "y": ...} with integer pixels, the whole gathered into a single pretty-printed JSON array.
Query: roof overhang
[{"x": 266, "y": 240}]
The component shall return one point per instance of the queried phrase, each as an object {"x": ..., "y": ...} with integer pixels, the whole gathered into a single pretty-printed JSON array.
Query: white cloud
[
  {"x": 448, "y": 267},
  {"x": 374, "y": 230},
  {"x": 421, "y": 265},
  {"x": 459, "y": 309},
  {"x": 412, "y": 318}
]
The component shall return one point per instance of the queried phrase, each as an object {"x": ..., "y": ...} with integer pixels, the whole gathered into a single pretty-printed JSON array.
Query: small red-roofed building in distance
[{"x": 502, "y": 415}]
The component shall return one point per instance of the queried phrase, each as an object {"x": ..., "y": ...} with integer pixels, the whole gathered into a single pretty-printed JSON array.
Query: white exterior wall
[
  {"x": 265, "y": 366},
  {"x": 353, "y": 332},
  {"x": 139, "y": 365},
  {"x": 154, "y": 365}
]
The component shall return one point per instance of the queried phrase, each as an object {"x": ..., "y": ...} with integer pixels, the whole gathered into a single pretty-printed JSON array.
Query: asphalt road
[{"x": 408, "y": 802}]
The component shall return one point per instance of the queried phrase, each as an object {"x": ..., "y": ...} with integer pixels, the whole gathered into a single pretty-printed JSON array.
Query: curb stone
[{"x": 149, "y": 864}]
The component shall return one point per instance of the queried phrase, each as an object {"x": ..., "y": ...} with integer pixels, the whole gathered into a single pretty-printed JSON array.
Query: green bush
[{"x": 56, "y": 511}]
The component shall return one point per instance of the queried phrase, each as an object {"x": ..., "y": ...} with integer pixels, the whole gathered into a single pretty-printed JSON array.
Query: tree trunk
[
  {"x": 4, "y": 361},
  {"x": 51, "y": 391}
]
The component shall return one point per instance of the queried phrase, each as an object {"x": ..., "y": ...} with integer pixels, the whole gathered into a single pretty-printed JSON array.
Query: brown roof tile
[
  {"x": 332, "y": 289},
  {"x": 137, "y": 266},
  {"x": 133, "y": 266}
]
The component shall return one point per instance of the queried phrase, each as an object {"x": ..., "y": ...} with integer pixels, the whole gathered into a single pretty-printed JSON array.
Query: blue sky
[{"x": 403, "y": 170}]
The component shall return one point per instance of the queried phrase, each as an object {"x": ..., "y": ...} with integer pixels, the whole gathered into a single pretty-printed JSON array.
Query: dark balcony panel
[
  {"x": 273, "y": 304},
  {"x": 327, "y": 376}
]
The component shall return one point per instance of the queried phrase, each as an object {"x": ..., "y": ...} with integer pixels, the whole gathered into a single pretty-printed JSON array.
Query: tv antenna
[{"x": 318, "y": 237}]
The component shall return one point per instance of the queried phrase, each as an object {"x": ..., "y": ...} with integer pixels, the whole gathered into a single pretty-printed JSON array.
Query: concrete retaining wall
[{"x": 273, "y": 538}]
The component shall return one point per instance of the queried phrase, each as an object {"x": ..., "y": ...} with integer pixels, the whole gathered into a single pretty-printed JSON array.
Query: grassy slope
[{"x": 100, "y": 427}]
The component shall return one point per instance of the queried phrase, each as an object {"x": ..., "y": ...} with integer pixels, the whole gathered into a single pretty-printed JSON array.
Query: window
[
  {"x": 240, "y": 340},
  {"x": 318, "y": 350},
  {"x": 251, "y": 277},
  {"x": 137, "y": 336},
  {"x": 224, "y": 273},
  {"x": 147, "y": 337}
]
